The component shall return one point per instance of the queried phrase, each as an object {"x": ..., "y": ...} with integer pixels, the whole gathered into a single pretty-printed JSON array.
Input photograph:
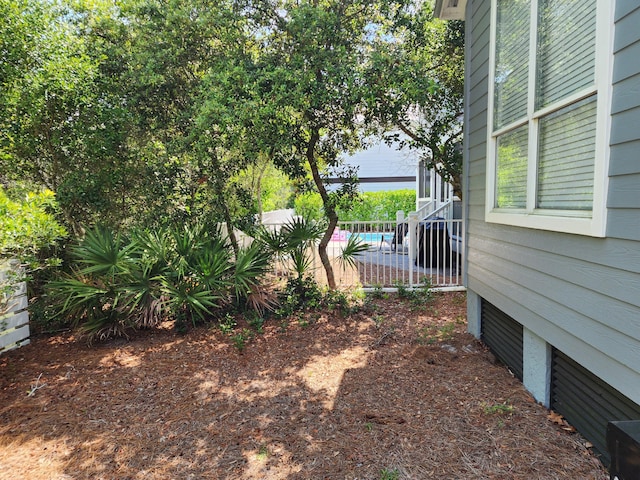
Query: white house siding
[
  {"x": 382, "y": 160},
  {"x": 579, "y": 294}
]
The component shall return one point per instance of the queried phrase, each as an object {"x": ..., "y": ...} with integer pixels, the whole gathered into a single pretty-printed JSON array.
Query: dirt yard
[{"x": 393, "y": 392}]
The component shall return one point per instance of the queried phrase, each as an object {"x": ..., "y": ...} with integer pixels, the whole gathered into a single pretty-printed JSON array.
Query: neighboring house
[
  {"x": 392, "y": 167},
  {"x": 384, "y": 167},
  {"x": 552, "y": 199}
]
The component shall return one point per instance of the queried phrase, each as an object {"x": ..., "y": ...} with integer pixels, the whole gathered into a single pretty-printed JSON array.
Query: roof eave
[{"x": 450, "y": 9}]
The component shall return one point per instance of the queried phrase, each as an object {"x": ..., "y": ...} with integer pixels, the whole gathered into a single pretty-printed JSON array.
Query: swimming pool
[{"x": 372, "y": 238}]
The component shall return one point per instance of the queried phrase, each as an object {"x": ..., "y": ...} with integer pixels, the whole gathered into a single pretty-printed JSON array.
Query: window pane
[
  {"x": 567, "y": 156},
  {"x": 511, "y": 169},
  {"x": 512, "y": 57},
  {"x": 566, "y": 49}
]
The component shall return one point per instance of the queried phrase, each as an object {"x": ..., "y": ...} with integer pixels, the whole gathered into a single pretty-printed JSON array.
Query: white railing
[
  {"x": 436, "y": 209},
  {"x": 427, "y": 209},
  {"x": 408, "y": 252}
]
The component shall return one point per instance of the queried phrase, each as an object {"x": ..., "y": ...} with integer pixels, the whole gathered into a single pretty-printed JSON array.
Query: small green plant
[
  {"x": 432, "y": 333},
  {"x": 337, "y": 300},
  {"x": 377, "y": 292},
  {"x": 299, "y": 294},
  {"x": 227, "y": 324},
  {"x": 263, "y": 452},
  {"x": 257, "y": 323},
  {"x": 418, "y": 297},
  {"x": 403, "y": 290},
  {"x": 241, "y": 338},
  {"x": 305, "y": 319},
  {"x": 426, "y": 336},
  {"x": 378, "y": 320},
  {"x": 447, "y": 331},
  {"x": 389, "y": 474},
  {"x": 498, "y": 409},
  {"x": 368, "y": 426}
]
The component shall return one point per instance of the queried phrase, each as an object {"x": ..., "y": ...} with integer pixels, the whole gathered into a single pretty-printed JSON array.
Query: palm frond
[
  {"x": 350, "y": 252},
  {"x": 102, "y": 252},
  {"x": 251, "y": 265},
  {"x": 302, "y": 231}
]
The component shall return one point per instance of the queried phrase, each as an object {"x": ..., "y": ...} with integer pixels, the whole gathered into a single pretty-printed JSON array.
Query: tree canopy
[{"x": 147, "y": 112}]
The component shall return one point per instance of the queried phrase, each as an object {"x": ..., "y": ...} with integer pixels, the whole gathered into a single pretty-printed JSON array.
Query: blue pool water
[{"x": 373, "y": 238}]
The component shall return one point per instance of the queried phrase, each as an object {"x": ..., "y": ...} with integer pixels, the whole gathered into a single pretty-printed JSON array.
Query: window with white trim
[{"x": 548, "y": 119}]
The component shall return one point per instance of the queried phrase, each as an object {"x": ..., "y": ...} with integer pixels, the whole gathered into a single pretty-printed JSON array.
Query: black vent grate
[
  {"x": 503, "y": 335},
  {"x": 587, "y": 402}
]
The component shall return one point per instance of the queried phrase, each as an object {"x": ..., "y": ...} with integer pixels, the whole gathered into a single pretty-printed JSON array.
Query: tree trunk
[
  {"x": 329, "y": 210},
  {"x": 219, "y": 189}
]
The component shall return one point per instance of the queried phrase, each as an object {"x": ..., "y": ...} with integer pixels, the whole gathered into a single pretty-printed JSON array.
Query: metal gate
[{"x": 409, "y": 253}]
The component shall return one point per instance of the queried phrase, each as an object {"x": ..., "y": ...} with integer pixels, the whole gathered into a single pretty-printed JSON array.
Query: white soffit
[{"x": 450, "y": 9}]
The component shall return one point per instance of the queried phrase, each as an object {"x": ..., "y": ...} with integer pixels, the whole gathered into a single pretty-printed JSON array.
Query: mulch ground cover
[{"x": 394, "y": 391}]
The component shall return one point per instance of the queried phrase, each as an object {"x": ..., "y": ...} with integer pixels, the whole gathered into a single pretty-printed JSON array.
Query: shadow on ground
[{"x": 382, "y": 393}]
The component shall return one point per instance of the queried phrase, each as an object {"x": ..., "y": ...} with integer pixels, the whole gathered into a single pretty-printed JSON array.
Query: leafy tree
[
  {"x": 153, "y": 111},
  {"x": 271, "y": 188},
  {"x": 61, "y": 125},
  {"x": 418, "y": 88},
  {"x": 191, "y": 58},
  {"x": 311, "y": 72}
]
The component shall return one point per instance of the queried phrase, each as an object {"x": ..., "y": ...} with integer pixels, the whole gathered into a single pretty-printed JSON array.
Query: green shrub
[
  {"x": 370, "y": 206},
  {"x": 380, "y": 206},
  {"x": 28, "y": 226},
  {"x": 309, "y": 206},
  {"x": 185, "y": 273}
]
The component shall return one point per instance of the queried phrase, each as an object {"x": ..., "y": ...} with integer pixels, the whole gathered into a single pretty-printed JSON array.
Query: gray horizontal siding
[
  {"x": 624, "y": 69},
  {"x": 627, "y": 95},
  {"x": 624, "y": 128},
  {"x": 577, "y": 292},
  {"x": 625, "y": 8},
  {"x": 625, "y": 223},
  {"x": 476, "y": 128},
  {"x": 626, "y": 26},
  {"x": 627, "y": 158},
  {"x": 624, "y": 191},
  {"x": 623, "y": 200}
]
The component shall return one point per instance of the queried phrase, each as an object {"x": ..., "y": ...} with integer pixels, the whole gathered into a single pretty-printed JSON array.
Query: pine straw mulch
[{"x": 392, "y": 392}]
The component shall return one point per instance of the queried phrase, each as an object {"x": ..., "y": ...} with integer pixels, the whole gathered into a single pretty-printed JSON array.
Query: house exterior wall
[
  {"x": 382, "y": 160},
  {"x": 577, "y": 293}
]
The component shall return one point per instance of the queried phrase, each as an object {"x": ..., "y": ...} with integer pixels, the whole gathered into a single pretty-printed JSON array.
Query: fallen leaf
[{"x": 556, "y": 417}]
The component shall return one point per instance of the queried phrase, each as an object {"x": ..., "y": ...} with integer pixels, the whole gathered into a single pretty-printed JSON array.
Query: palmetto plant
[
  {"x": 251, "y": 265},
  {"x": 197, "y": 279},
  {"x": 94, "y": 295},
  {"x": 295, "y": 240},
  {"x": 185, "y": 273},
  {"x": 354, "y": 247}
]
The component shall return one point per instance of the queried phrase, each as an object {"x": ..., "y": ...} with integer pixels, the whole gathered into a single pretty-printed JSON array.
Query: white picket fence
[{"x": 14, "y": 317}]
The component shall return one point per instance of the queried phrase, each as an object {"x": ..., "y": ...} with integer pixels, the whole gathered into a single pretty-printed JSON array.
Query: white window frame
[{"x": 591, "y": 223}]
